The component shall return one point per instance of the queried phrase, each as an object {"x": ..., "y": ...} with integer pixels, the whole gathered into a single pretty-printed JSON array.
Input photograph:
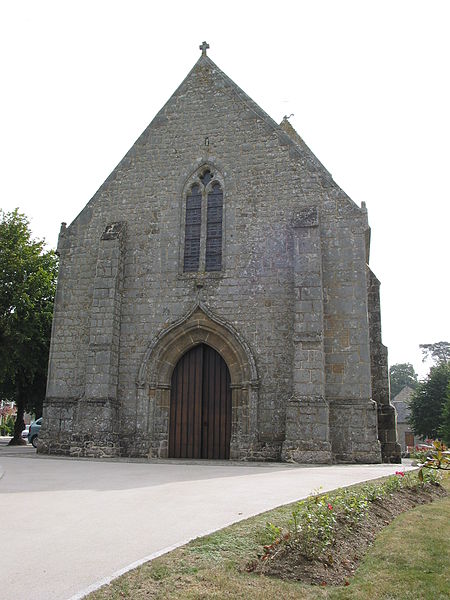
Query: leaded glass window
[
  {"x": 193, "y": 229},
  {"x": 203, "y": 224},
  {"x": 213, "y": 256}
]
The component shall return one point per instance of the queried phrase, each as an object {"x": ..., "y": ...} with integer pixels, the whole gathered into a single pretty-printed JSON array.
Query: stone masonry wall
[{"x": 268, "y": 177}]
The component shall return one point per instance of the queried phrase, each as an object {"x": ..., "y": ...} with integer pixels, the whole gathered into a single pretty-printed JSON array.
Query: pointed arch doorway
[{"x": 200, "y": 406}]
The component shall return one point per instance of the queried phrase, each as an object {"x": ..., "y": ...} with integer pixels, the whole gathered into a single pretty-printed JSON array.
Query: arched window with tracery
[{"x": 203, "y": 223}]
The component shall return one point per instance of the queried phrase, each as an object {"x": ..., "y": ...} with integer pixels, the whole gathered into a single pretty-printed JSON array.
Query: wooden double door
[{"x": 200, "y": 406}]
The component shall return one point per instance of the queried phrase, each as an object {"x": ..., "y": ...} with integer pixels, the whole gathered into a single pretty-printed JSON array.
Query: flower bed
[{"x": 329, "y": 533}]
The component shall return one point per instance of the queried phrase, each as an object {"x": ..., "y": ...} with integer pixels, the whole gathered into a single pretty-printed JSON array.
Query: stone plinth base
[
  {"x": 366, "y": 456},
  {"x": 391, "y": 452},
  {"x": 135, "y": 446},
  {"x": 307, "y": 431},
  {"x": 55, "y": 435},
  {"x": 387, "y": 434},
  {"x": 261, "y": 451},
  {"x": 101, "y": 446},
  {"x": 301, "y": 453},
  {"x": 353, "y": 431},
  {"x": 58, "y": 445}
]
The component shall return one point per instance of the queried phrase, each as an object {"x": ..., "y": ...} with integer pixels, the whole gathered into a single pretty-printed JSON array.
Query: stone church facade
[{"x": 214, "y": 299}]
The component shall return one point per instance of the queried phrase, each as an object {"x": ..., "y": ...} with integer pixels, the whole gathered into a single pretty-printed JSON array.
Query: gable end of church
[{"x": 214, "y": 299}]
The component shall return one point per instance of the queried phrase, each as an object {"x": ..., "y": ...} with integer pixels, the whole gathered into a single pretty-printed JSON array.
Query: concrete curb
[{"x": 98, "y": 584}]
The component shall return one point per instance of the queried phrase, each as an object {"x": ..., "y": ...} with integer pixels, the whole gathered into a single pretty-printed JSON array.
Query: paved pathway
[{"x": 68, "y": 524}]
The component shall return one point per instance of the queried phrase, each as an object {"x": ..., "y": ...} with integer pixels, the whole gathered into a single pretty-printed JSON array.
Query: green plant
[
  {"x": 352, "y": 505},
  {"x": 392, "y": 484},
  {"x": 410, "y": 480},
  {"x": 373, "y": 492},
  {"x": 271, "y": 533},
  {"x": 438, "y": 459},
  {"x": 316, "y": 527},
  {"x": 313, "y": 526},
  {"x": 7, "y": 427},
  {"x": 299, "y": 507},
  {"x": 419, "y": 455},
  {"x": 432, "y": 476}
]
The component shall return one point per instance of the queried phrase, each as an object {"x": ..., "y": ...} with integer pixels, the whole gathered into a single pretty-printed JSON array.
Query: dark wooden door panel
[
  {"x": 185, "y": 406},
  {"x": 200, "y": 406},
  {"x": 216, "y": 406}
]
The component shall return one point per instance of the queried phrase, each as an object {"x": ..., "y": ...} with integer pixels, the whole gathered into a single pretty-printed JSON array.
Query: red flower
[
  {"x": 401, "y": 473},
  {"x": 330, "y": 507}
]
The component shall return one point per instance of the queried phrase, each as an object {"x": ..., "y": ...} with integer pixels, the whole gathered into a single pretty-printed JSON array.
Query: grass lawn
[{"x": 409, "y": 561}]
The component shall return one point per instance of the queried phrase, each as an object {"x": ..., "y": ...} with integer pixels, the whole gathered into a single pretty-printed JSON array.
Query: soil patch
[{"x": 341, "y": 560}]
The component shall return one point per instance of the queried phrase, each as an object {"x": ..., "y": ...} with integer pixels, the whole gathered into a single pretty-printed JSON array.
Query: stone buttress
[
  {"x": 387, "y": 432},
  {"x": 307, "y": 413},
  {"x": 97, "y": 433}
]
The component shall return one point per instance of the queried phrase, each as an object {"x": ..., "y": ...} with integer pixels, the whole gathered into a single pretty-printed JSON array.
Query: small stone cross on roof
[{"x": 204, "y": 47}]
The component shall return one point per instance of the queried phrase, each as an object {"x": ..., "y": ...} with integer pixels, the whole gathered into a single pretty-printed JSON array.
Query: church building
[{"x": 214, "y": 299}]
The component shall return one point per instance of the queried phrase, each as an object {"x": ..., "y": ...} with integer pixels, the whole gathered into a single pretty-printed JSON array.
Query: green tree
[
  {"x": 402, "y": 374},
  {"x": 427, "y": 402},
  {"x": 444, "y": 430},
  {"x": 438, "y": 352},
  {"x": 27, "y": 287}
]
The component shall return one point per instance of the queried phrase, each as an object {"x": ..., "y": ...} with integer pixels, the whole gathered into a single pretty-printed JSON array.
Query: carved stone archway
[{"x": 199, "y": 326}]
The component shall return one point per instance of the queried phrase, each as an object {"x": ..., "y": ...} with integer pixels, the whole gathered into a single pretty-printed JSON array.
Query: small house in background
[{"x": 405, "y": 433}]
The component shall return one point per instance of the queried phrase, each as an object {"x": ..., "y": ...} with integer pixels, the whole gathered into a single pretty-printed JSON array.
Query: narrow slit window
[{"x": 213, "y": 258}]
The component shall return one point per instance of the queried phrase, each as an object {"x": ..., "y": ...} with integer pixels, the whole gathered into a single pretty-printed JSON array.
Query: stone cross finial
[{"x": 204, "y": 47}]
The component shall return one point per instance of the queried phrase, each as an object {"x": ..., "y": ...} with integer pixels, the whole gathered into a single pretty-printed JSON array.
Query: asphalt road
[{"x": 67, "y": 525}]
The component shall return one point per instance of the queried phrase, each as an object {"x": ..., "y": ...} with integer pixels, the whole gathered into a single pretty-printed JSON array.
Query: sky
[{"x": 367, "y": 83}]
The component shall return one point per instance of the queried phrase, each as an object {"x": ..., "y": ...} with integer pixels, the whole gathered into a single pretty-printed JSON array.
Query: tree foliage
[
  {"x": 402, "y": 374},
  {"x": 439, "y": 352},
  {"x": 27, "y": 287},
  {"x": 427, "y": 402},
  {"x": 444, "y": 430}
]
